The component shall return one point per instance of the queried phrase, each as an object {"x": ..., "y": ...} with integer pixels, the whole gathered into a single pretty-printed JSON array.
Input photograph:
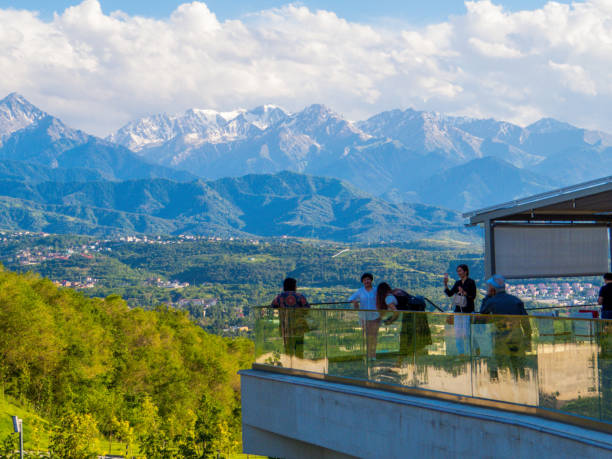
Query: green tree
[
  {"x": 186, "y": 441},
  {"x": 73, "y": 438},
  {"x": 209, "y": 425},
  {"x": 36, "y": 429},
  {"x": 125, "y": 368},
  {"x": 123, "y": 432},
  {"x": 157, "y": 445},
  {"x": 154, "y": 442}
]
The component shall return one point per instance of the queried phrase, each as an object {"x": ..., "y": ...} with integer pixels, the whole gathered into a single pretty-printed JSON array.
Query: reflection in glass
[
  {"x": 559, "y": 364},
  {"x": 504, "y": 366},
  {"x": 567, "y": 364},
  {"x": 268, "y": 341},
  {"x": 346, "y": 352},
  {"x": 437, "y": 365},
  {"x": 293, "y": 326}
]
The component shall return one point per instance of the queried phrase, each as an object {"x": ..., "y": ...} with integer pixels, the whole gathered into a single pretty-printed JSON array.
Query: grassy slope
[{"x": 35, "y": 428}]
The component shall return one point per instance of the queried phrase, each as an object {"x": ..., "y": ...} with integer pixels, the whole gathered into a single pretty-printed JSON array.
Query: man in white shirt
[{"x": 365, "y": 298}]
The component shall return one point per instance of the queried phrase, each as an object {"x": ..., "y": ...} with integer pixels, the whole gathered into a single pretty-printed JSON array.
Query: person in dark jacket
[
  {"x": 463, "y": 293},
  {"x": 511, "y": 336},
  {"x": 464, "y": 287},
  {"x": 498, "y": 301}
]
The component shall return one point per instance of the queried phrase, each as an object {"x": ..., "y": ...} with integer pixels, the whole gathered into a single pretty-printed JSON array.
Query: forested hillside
[
  {"x": 232, "y": 274},
  {"x": 264, "y": 205},
  {"x": 95, "y": 369}
]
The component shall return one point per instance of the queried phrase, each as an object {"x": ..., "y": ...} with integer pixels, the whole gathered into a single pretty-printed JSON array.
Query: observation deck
[
  {"x": 449, "y": 385},
  {"x": 441, "y": 385}
]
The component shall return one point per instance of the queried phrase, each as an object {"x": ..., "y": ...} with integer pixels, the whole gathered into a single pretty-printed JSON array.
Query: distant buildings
[
  {"x": 159, "y": 282},
  {"x": 87, "y": 283},
  {"x": 562, "y": 293}
]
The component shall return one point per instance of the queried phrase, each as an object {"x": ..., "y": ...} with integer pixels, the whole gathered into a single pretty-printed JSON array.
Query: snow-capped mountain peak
[
  {"x": 196, "y": 126},
  {"x": 319, "y": 121},
  {"x": 17, "y": 113}
]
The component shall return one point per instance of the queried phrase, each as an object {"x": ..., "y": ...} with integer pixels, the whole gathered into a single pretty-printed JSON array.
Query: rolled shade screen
[{"x": 550, "y": 251}]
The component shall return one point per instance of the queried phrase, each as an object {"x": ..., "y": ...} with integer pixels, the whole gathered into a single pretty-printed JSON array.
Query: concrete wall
[{"x": 294, "y": 417}]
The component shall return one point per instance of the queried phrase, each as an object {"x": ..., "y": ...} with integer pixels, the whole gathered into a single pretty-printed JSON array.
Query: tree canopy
[{"x": 127, "y": 373}]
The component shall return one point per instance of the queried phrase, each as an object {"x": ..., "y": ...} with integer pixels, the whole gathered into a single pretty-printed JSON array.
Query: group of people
[
  {"x": 463, "y": 294},
  {"x": 498, "y": 301},
  {"x": 380, "y": 304},
  {"x": 374, "y": 300}
]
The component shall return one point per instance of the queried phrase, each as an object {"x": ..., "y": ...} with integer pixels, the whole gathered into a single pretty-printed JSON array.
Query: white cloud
[
  {"x": 99, "y": 71},
  {"x": 575, "y": 78},
  {"x": 489, "y": 49}
]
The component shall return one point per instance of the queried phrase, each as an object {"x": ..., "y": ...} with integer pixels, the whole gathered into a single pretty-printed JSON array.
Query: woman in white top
[{"x": 365, "y": 298}]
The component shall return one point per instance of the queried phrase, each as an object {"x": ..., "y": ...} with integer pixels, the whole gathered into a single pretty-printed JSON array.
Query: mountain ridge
[
  {"x": 376, "y": 154},
  {"x": 397, "y": 154},
  {"x": 284, "y": 204},
  {"x": 29, "y": 134},
  {"x": 480, "y": 183}
]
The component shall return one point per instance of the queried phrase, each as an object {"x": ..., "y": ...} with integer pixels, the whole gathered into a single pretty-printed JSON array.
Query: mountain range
[
  {"x": 30, "y": 135},
  {"x": 207, "y": 172},
  {"x": 400, "y": 155}
]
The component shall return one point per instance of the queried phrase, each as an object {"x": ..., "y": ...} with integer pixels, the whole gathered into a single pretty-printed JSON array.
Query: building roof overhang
[{"x": 589, "y": 202}]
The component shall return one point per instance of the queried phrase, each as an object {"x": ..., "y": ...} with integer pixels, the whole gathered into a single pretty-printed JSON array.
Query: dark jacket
[
  {"x": 469, "y": 286},
  {"x": 415, "y": 334},
  {"x": 408, "y": 302},
  {"x": 511, "y": 336},
  {"x": 504, "y": 304}
]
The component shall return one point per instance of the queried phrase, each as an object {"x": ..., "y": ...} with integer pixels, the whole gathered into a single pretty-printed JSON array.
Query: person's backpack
[{"x": 408, "y": 302}]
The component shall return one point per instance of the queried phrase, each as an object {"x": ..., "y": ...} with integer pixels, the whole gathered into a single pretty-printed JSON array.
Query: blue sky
[
  {"x": 411, "y": 11},
  {"x": 517, "y": 61}
]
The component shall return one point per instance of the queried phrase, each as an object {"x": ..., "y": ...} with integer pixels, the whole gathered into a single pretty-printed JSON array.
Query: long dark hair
[{"x": 382, "y": 291}]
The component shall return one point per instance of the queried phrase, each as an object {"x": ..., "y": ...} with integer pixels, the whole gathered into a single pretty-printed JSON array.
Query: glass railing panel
[
  {"x": 314, "y": 325},
  {"x": 302, "y": 332},
  {"x": 291, "y": 338},
  {"x": 414, "y": 337},
  {"x": 346, "y": 343},
  {"x": 269, "y": 347},
  {"x": 604, "y": 366},
  {"x": 559, "y": 364},
  {"x": 385, "y": 368},
  {"x": 567, "y": 365},
  {"x": 504, "y": 362},
  {"x": 441, "y": 347}
]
